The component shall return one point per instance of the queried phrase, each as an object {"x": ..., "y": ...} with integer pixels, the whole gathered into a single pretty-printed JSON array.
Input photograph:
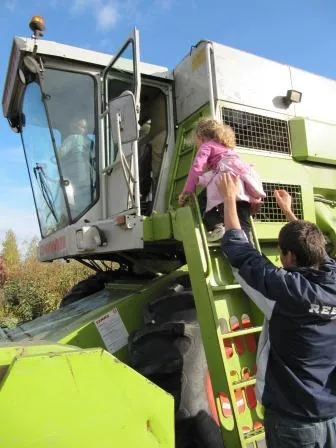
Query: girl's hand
[
  {"x": 183, "y": 198},
  {"x": 255, "y": 207}
]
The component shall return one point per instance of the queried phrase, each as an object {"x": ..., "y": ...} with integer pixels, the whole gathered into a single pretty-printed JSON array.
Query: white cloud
[
  {"x": 10, "y": 5},
  {"x": 107, "y": 16},
  {"x": 105, "y": 12}
]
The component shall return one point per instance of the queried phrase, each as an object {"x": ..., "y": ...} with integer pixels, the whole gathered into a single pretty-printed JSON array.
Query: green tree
[{"x": 10, "y": 251}]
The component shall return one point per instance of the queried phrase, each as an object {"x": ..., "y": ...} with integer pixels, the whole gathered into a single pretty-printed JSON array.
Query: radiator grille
[
  {"x": 257, "y": 131},
  {"x": 270, "y": 212}
]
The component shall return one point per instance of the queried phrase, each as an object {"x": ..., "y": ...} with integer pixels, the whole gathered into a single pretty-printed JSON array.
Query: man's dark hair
[{"x": 305, "y": 241}]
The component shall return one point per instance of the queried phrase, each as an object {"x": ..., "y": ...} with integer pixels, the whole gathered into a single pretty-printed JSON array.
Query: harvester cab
[{"x": 79, "y": 116}]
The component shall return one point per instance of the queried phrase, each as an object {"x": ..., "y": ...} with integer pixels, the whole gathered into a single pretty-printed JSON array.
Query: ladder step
[
  {"x": 177, "y": 178},
  {"x": 187, "y": 151},
  {"x": 226, "y": 287},
  {"x": 215, "y": 244},
  {"x": 254, "y": 435},
  {"x": 244, "y": 383},
  {"x": 234, "y": 334}
]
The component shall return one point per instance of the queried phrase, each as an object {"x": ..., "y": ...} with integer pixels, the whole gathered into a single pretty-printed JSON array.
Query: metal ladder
[{"x": 229, "y": 323}]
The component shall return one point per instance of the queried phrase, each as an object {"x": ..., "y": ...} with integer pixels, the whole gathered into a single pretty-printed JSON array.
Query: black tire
[
  {"x": 84, "y": 288},
  {"x": 169, "y": 351}
]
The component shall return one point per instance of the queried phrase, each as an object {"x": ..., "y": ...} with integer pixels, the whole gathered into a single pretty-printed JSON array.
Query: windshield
[{"x": 71, "y": 171}]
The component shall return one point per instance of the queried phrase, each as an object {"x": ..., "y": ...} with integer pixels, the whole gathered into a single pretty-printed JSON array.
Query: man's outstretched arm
[{"x": 284, "y": 201}]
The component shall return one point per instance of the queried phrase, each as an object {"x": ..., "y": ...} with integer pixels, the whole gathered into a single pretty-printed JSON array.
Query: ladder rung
[
  {"x": 226, "y": 287},
  {"x": 244, "y": 383},
  {"x": 254, "y": 435},
  {"x": 235, "y": 334},
  {"x": 176, "y": 179},
  {"x": 214, "y": 244},
  {"x": 186, "y": 151}
]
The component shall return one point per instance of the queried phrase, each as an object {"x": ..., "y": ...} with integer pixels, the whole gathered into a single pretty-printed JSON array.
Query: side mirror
[{"x": 122, "y": 114}]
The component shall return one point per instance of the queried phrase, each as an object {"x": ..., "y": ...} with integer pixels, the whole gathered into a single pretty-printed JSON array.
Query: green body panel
[
  {"x": 71, "y": 398},
  {"x": 311, "y": 140},
  {"x": 12, "y": 351},
  {"x": 326, "y": 220},
  {"x": 158, "y": 227}
]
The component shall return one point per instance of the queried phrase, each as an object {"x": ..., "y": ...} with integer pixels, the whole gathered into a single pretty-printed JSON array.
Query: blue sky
[{"x": 296, "y": 32}]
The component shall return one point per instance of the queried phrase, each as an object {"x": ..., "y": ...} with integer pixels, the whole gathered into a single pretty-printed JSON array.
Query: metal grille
[
  {"x": 258, "y": 132},
  {"x": 270, "y": 212}
]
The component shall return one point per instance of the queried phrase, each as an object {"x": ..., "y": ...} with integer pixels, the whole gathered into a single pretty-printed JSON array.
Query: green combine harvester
[{"x": 158, "y": 347}]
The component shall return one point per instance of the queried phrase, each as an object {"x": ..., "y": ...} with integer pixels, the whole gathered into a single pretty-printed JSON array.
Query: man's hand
[
  {"x": 228, "y": 186},
  {"x": 284, "y": 201},
  {"x": 183, "y": 198}
]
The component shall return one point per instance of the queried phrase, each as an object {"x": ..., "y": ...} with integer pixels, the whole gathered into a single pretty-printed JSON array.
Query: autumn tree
[
  {"x": 10, "y": 251},
  {"x": 31, "y": 288}
]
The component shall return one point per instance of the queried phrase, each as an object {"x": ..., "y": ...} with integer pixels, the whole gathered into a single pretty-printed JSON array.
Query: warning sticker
[{"x": 112, "y": 331}]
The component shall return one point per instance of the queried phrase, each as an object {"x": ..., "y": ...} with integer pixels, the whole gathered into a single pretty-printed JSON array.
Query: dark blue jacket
[{"x": 296, "y": 356}]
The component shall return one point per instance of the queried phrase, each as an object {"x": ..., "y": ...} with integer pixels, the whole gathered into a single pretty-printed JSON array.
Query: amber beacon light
[{"x": 37, "y": 25}]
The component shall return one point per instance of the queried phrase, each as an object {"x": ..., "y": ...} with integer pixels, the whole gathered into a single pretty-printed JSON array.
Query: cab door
[{"x": 120, "y": 174}]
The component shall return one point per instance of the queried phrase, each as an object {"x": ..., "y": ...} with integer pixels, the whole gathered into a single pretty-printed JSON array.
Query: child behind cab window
[{"x": 215, "y": 144}]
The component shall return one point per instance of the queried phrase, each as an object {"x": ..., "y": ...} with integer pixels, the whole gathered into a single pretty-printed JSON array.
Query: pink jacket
[{"x": 222, "y": 159}]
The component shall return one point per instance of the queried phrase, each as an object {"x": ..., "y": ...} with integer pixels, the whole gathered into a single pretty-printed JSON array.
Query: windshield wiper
[{"x": 41, "y": 179}]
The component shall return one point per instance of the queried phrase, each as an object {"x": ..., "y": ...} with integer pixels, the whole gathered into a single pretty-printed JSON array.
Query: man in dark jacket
[{"x": 296, "y": 376}]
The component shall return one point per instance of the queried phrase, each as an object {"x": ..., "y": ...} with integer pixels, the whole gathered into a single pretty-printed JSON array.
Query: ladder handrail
[{"x": 203, "y": 235}]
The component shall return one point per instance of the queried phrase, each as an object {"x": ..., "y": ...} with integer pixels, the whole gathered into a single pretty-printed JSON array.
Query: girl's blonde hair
[{"x": 210, "y": 129}]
